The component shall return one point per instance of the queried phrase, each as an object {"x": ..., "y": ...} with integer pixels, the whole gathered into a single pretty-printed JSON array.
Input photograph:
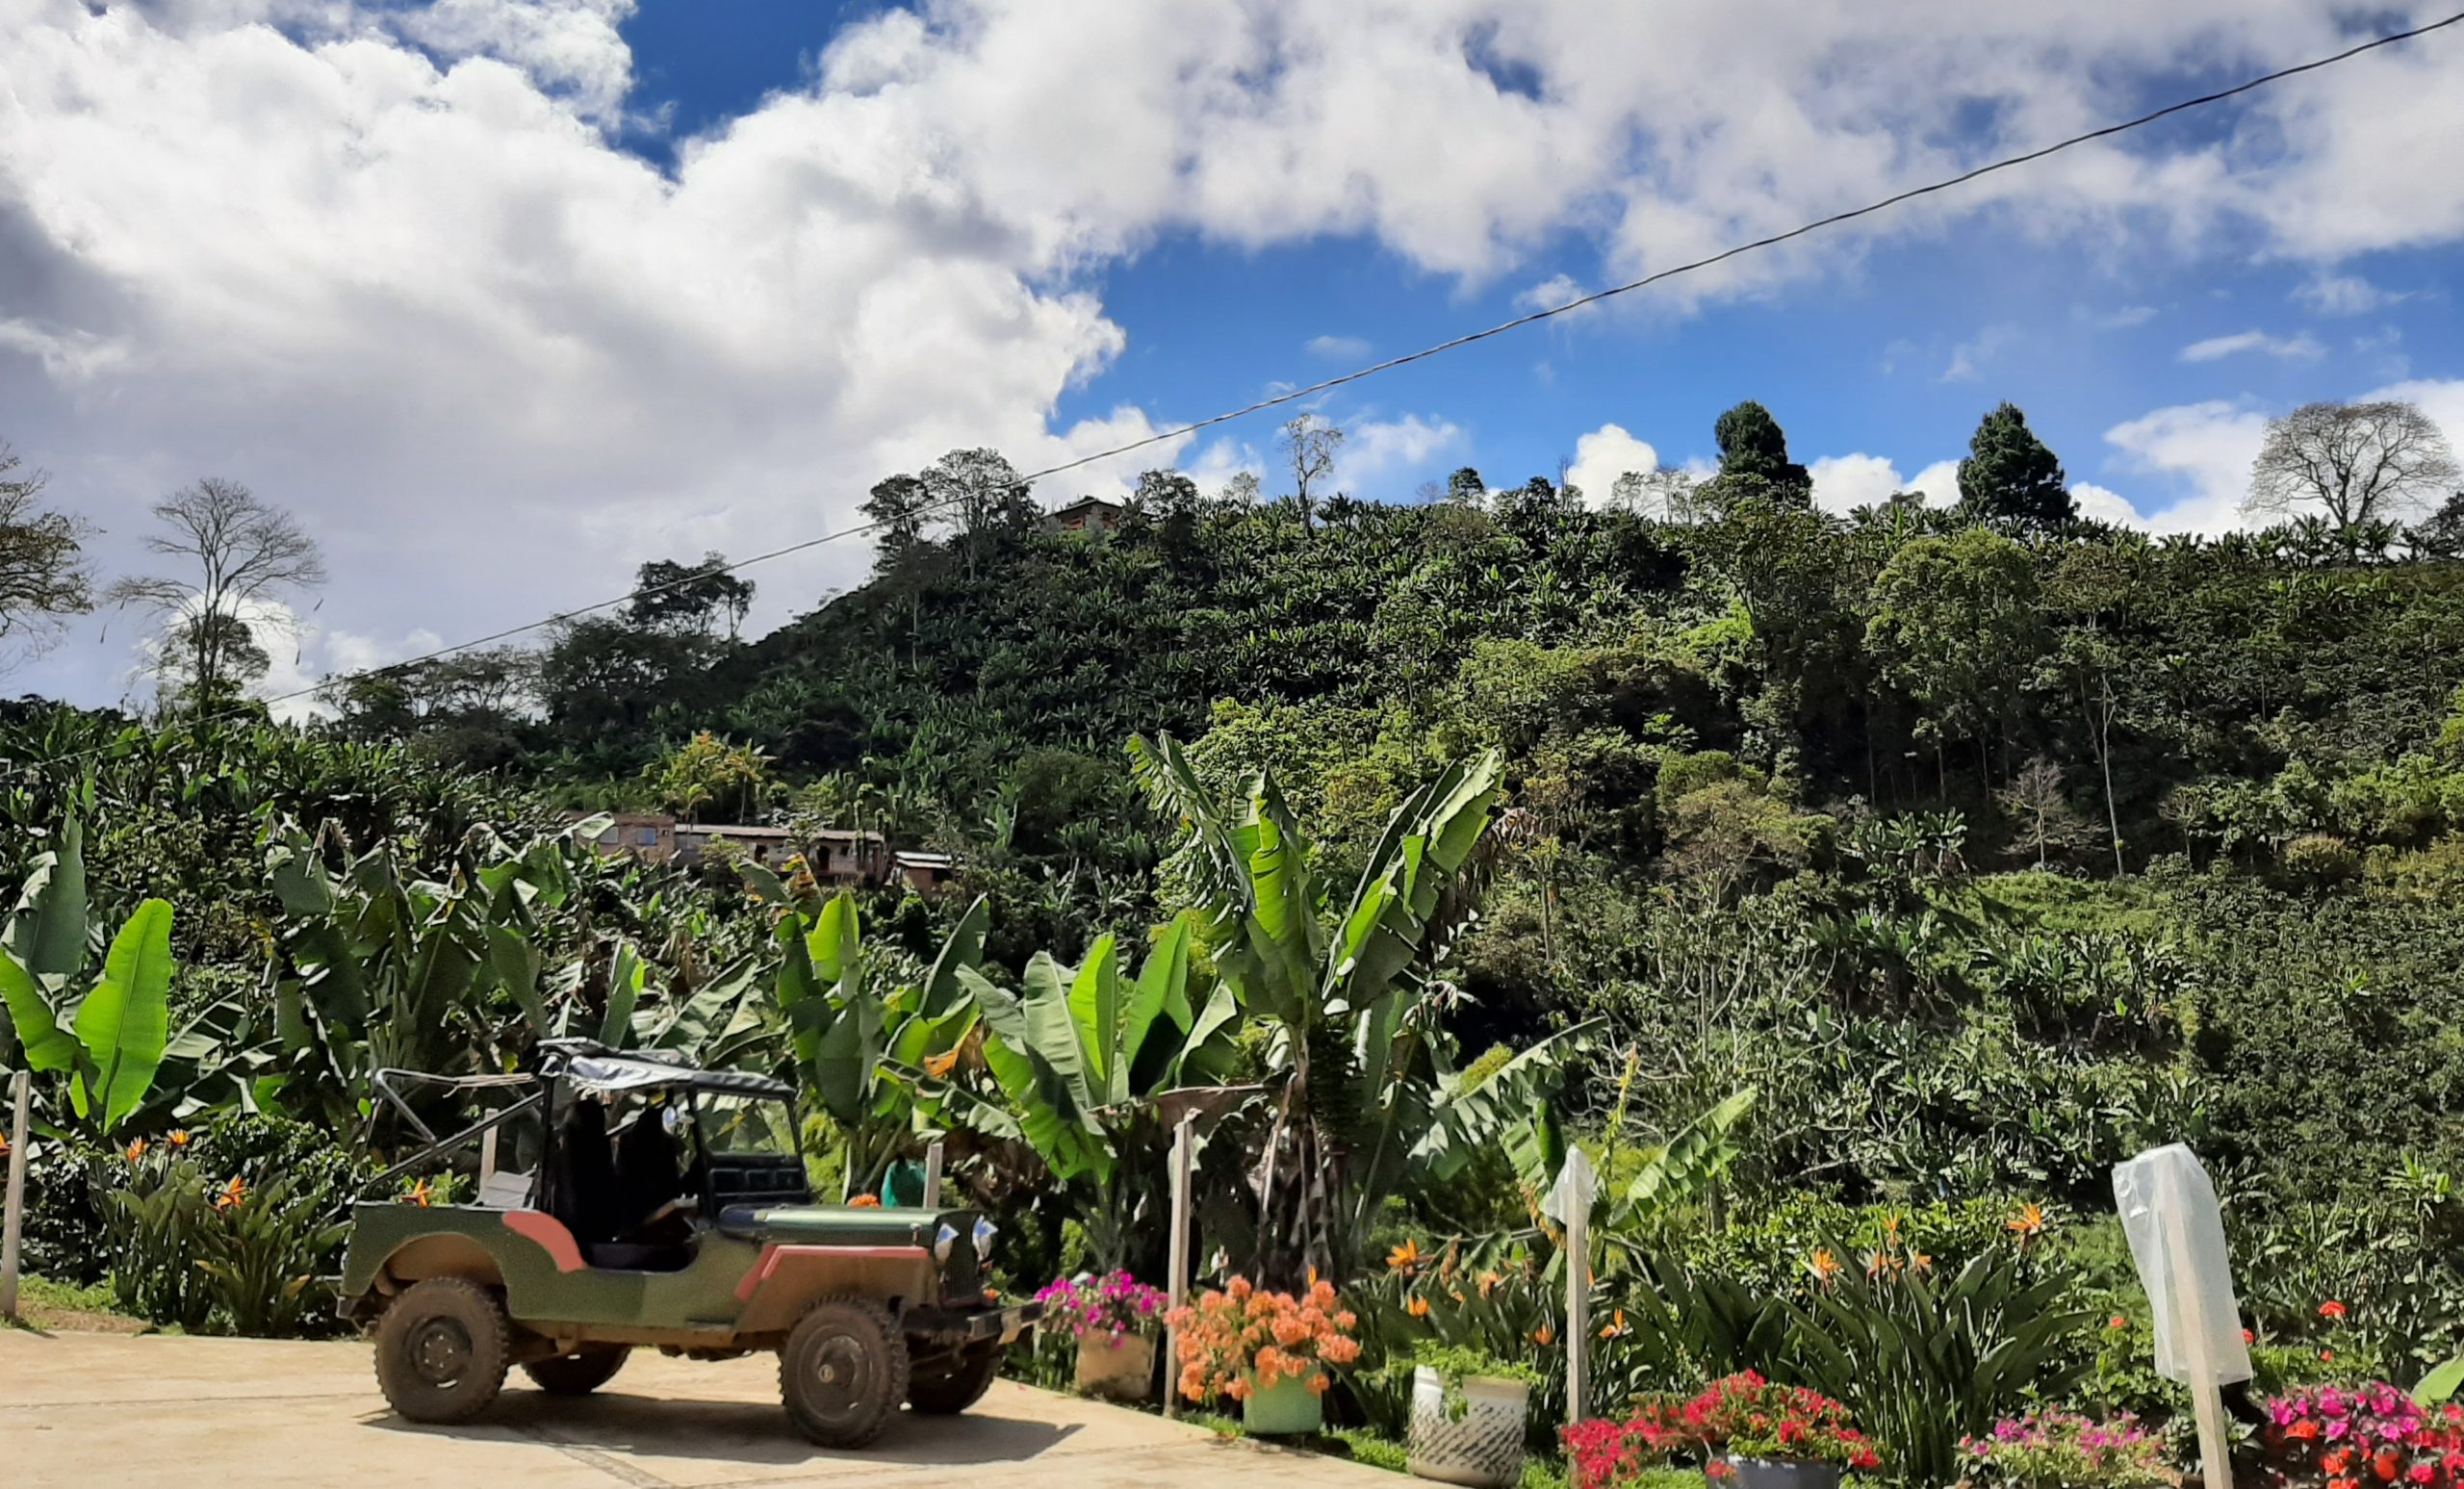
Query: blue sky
[
  {"x": 1896, "y": 354},
  {"x": 504, "y": 297}
]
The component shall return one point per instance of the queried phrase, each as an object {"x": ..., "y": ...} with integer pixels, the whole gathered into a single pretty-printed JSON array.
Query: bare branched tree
[
  {"x": 43, "y": 575},
  {"x": 244, "y": 554},
  {"x": 2039, "y": 807},
  {"x": 2360, "y": 462},
  {"x": 1309, "y": 445}
]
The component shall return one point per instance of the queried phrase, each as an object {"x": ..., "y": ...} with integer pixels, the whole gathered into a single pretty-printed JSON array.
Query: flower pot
[
  {"x": 1288, "y": 1408},
  {"x": 1478, "y": 1440},
  {"x": 1779, "y": 1473},
  {"x": 1119, "y": 1368}
]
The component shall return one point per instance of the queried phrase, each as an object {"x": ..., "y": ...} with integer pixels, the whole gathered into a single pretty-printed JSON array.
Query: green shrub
[
  {"x": 232, "y": 1231},
  {"x": 2318, "y": 860}
]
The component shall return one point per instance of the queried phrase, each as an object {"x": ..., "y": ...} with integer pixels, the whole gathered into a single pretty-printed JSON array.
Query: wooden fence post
[
  {"x": 933, "y": 1175},
  {"x": 1570, "y": 1201},
  {"x": 12, "y": 1224},
  {"x": 1176, "y": 1282}
]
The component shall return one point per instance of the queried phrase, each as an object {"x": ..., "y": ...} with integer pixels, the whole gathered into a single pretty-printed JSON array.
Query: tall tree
[
  {"x": 673, "y": 595},
  {"x": 2010, "y": 473},
  {"x": 1753, "y": 448},
  {"x": 1466, "y": 486},
  {"x": 896, "y": 510},
  {"x": 980, "y": 494},
  {"x": 43, "y": 575},
  {"x": 2360, "y": 463},
  {"x": 1309, "y": 445},
  {"x": 248, "y": 558},
  {"x": 1954, "y": 622}
]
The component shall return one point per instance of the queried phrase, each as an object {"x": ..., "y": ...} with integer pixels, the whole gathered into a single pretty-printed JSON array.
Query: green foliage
[
  {"x": 107, "y": 1038},
  {"x": 2009, "y": 473}
]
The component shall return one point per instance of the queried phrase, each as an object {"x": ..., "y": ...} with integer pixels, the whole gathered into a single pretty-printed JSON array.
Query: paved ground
[{"x": 85, "y": 1409}]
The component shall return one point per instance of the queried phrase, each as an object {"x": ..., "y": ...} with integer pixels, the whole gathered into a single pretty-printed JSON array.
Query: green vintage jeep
[{"x": 666, "y": 1206}]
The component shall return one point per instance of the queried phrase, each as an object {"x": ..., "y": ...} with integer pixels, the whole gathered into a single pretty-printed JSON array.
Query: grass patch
[{"x": 46, "y": 1305}]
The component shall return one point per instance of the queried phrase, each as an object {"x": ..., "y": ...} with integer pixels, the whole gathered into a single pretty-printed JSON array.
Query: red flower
[
  {"x": 2250, "y": 1338},
  {"x": 2119, "y": 1323},
  {"x": 2331, "y": 1310},
  {"x": 2302, "y": 1430}
]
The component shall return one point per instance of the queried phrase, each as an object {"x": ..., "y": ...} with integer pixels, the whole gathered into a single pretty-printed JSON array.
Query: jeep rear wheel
[
  {"x": 842, "y": 1371},
  {"x": 441, "y": 1350},
  {"x": 951, "y": 1388},
  {"x": 580, "y": 1372}
]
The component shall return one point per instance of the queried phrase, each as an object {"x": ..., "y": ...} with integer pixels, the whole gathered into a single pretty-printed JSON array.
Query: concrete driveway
[{"x": 81, "y": 1409}]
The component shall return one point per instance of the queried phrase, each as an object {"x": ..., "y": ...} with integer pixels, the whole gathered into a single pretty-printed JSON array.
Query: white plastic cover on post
[
  {"x": 2177, "y": 1237},
  {"x": 1570, "y": 1201}
]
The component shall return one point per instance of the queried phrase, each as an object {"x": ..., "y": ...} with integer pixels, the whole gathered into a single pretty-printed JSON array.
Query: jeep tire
[
  {"x": 952, "y": 1387},
  {"x": 442, "y": 1348},
  {"x": 581, "y": 1373},
  {"x": 842, "y": 1371}
]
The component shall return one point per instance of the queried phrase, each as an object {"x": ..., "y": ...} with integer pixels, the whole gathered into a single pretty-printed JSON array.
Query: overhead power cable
[{"x": 1296, "y": 394}]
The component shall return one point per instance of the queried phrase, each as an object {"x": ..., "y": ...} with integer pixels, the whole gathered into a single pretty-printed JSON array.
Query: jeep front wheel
[
  {"x": 580, "y": 1372},
  {"x": 842, "y": 1371},
  {"x": 441, "y": 1350},
  {"x": 951, "y": 1388}
]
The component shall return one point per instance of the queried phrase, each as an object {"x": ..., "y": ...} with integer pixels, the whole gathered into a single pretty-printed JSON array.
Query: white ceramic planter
[
  {"x": 1483, "y": 1447},
  {"x": 1120, "y": 1371}
]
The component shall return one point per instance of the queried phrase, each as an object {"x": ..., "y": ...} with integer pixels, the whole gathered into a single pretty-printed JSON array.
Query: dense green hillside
[{"x": 1989, "y": 846}]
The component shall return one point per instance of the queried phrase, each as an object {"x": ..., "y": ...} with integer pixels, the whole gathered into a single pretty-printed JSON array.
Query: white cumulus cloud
[
  {"x": 2301, "y": 347},
  {"x": 1604, "y": 454}
]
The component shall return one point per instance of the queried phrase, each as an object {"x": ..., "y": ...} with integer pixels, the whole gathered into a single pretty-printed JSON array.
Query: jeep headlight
[
  {"x": 984, "y": 1231},
  {"x": 943, "y": 1243}
]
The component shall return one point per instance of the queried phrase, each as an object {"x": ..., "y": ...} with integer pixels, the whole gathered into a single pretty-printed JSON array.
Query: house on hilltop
[
  {"x": 1093, "y": 516},
  {"x": 839, "y": 858}
]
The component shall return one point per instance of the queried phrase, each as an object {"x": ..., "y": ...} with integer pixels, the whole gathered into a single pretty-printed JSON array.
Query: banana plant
[
  {"x": 1366, "y": 1099},
  {"x": 108, "y": 1039},
  {"x": 1082, "y": 1057},
  {"x": 869, "y": 1052}
]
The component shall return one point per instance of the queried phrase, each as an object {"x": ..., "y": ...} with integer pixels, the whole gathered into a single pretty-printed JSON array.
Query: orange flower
[
  {"x": 939, "y": 1066},
  {"x": 234, "y": 1195},
  {"x": 2328, "y": 1355},
  {"x": 1824, "y": 1266},
  {"x": 865, "y": 1202},
  {"x": 3, "y": 1145},
  {"x": 1921, "y": 1262},
  {"x": 1617, "y": 1327},
  {"x": 2028, "y": 1222},
  {"x": 2331, "y": 1310},
  {"x": 179, "y": 1137},
  {"x": 1489, "y": 1281},
  {"x": 420, "y": 1194},
  {"x": 137, "y": 1150},
  {"x": 2119, "y": 1323},
  {"x": 1417, "y": 1307},
  {"x": 1405, "y": 1258},
  {"x": 1544, "y": 1336}
]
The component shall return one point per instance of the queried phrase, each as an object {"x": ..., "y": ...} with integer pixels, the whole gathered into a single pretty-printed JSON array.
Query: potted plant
[
  {"x": 1270, "y": 1352},
  {"x": 1110, "y": 1317},
  {"x": 1468, "y": 1415},
  {"x": 2055, "y": 1449},
  {"x": 1758, "y": 1435}
]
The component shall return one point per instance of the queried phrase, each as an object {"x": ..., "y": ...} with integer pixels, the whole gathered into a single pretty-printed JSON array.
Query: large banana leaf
[
  {"x": 48, "y": 1046},
  {"x": 1699, "y": 1152},
  {"x": 47, "y": 934},
  {"x": 125, "y": 1022}
]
